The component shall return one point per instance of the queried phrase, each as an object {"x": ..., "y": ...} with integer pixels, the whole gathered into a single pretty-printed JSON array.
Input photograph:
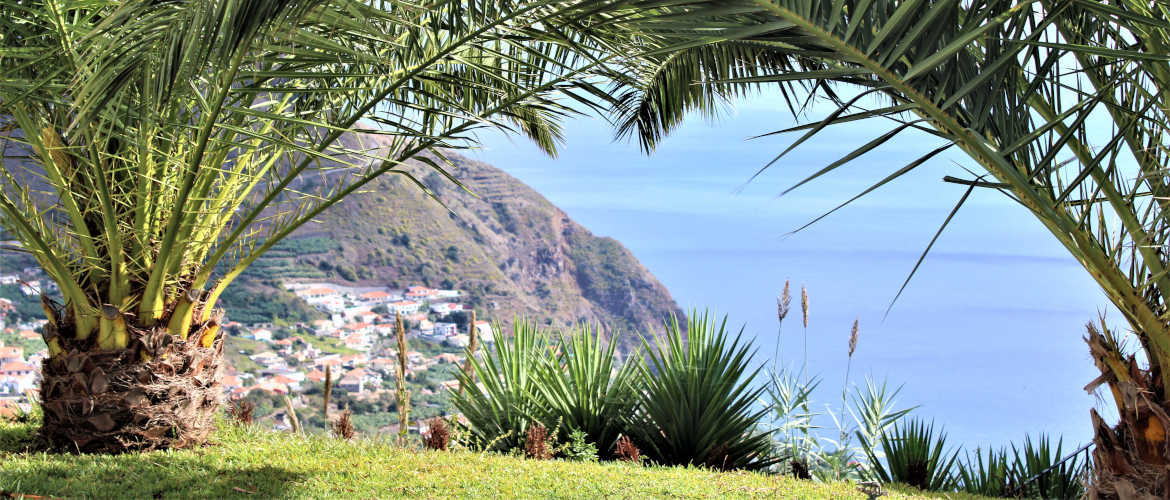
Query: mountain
[{"x": 509, "y": 248}]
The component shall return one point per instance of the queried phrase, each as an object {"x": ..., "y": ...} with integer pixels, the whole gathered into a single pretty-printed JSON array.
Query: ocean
[{"x": 987, "y": 337}]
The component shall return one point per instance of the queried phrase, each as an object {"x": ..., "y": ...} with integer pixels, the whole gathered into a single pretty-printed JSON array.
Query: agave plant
[
  {"x": 1060, "y": 105},
  {"x": 698, "y": 397},
  {"x": 991, "y": 476},
  {"x": 154, "y": 150},
  {"x": 1038, "y": 473},
  {"x": 587, "y": 389},
  {"x": 499, "y": 409},
  {"x": 914, "y": 455}
]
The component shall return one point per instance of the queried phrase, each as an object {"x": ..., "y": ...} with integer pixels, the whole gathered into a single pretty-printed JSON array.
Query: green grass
[{"x": 250, "y": 463}]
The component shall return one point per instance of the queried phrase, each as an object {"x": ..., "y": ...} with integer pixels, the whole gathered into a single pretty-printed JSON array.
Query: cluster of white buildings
[
  {"x": 337, "y": 299},
  {"x": 359, "y": 373}
]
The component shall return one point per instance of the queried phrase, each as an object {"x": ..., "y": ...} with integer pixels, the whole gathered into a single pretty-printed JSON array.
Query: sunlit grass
[{"x": 248, "y": 462}]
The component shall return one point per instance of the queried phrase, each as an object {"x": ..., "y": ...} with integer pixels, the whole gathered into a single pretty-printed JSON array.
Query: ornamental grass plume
[
  {"x": 804, "y": 304},
  {"x": 782, "y": 303},
  {"x": 853, "y": 334},
  {"x": 402, "y": 393},
  {"x": 328, "y": 391},
  {"x": 804, "y": 316},
  {"x": 472, "y": 346},
  {"x": 853, "y": 338}
]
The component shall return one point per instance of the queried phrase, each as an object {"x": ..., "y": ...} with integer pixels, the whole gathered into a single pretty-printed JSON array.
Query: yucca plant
[
  {"x": 698, "y": 397},
  {"x": 588, "y": 389},
  {"x": 913, "y": 455},
  {"x": 1037, "y": 459},
  {"x": 1060, "y": 105},
  {"x": 985, "y": 474},
  {"x": 154, "y": 150},
  {"x": 499, "y": 409}
]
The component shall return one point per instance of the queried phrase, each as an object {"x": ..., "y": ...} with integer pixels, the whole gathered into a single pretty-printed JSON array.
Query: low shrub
[
  {"x": 438, "y": 435},
  {"x": 539, "y": 443},
  {"x": 914, "y": 455},
  {"x": 579, "y": 448},
  {"x": 626, "y": 451},
  {"x": 1039, "y": 455},
  {"x": 343, "y": 426},
  {"x": 697, "y": 405}
]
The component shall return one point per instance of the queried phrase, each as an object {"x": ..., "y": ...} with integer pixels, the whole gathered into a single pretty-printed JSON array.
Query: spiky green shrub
[
  {"x": 499, "y": 408},
  {"x": 586, "y": 388},
  {"x": 697, "y": 404},
  {"x": 796, "y": 445},
  {"x": 1036, "y": 456},
  {"x": 991, "y": 476},
  {"x": 914, "y": 455}
]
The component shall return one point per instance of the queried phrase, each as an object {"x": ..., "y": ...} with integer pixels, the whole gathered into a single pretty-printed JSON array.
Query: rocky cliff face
[{"x": 514, "y": 252}]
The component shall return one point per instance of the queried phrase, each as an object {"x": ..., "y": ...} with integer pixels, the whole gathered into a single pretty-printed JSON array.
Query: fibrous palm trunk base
[
  {"x": 1132, "y": 459},
  {"x": 111, "y": 401}
]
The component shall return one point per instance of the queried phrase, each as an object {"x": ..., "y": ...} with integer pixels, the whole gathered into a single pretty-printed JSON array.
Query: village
[{"x": 355, "y": 344}]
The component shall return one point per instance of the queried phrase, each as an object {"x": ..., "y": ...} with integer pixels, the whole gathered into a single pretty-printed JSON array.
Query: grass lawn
[{"x": 246, "y": 462}]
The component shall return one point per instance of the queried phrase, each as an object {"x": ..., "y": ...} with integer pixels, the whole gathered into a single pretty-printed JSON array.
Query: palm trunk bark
[
  {"x": 159, "y": 392},
  {"x": 1131, "y": 460}
]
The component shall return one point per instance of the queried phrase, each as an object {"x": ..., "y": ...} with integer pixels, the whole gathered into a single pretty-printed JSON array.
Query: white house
[
  {"x": 404, "y": 307},
  {"x": 445, "y": 308},
  {"x": 262, "y": 334},
  {"x": 445, "y": 329}
]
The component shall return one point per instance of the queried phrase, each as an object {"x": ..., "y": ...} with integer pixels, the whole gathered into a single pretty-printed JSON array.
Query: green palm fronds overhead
[
  {"x": 163, "y": 146},
  {"x": 1060, "y": 105}
]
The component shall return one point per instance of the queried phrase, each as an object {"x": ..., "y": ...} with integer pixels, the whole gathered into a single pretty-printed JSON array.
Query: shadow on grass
[{"x": 186, "y": 474}]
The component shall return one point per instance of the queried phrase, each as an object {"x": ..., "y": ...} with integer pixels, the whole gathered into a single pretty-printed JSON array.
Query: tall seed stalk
[
  {"x": 782, "y": 303},
  {"x": 292, "y": 415},
  {"x": 804, "y": 317},
  {"x": 853, "y": 334},
  {"x": 472, "y": 346},
  {"x": 328, "y": 390},
  {"x": 403, "y": 392}
]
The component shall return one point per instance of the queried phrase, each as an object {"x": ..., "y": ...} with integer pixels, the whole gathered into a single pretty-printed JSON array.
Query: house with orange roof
[
  {"x": 315, "y": 377},
  {"x": 16, "y": 377},
  {"x": 11, "y": 353},
  {"x": 28, "y": 335},
  {"x": 316, "y": 292},
  {"x": 378, "y": 297},
  {"x": 448, "y": 357}
]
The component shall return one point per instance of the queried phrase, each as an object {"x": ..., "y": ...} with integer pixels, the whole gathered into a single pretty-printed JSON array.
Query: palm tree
[
  {"x": 154, "y": 150},
  {"x": 1061, "y": 105}
]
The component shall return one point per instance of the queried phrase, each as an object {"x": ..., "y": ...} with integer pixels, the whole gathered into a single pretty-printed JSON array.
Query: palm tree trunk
[
  {"x": 1132, "y": 459},
  {"x": 159, "y": 392}
]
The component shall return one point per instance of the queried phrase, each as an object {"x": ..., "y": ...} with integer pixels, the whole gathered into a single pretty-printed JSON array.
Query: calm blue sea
[{"x": 987, "y": 337}]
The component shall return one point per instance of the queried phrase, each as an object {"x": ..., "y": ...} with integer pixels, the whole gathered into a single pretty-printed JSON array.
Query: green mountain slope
[{"x": 509, "y": 248}]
